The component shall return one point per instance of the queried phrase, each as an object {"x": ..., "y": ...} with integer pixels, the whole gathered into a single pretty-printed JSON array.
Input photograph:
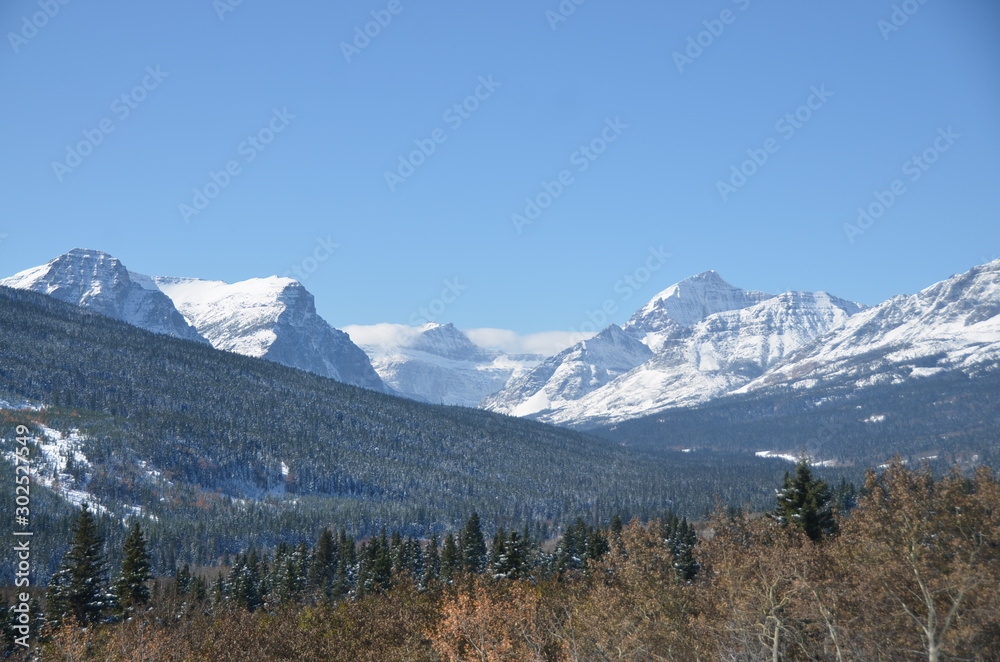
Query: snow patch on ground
[
  {"x": 20, "y": 405},
  {"x": 61, "y": 465},
  {"x": 795, "y": 458}
]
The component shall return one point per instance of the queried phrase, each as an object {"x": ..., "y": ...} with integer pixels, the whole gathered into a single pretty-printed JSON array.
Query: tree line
[{"x": 909, "y": 569}]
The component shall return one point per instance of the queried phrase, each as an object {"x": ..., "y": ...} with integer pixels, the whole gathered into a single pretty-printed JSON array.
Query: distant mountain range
[
  {"x": 697, "y": 341},
  {"x": 270, "y": 318},
  {"x": 703, "y": 339},
  {"x": 437, "y": 363}
]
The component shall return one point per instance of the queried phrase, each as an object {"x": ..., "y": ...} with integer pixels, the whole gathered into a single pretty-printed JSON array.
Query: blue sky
[{"x": 201, "y": 78}]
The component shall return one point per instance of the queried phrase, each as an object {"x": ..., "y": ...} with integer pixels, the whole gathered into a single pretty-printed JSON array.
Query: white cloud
[
  {"x": 382, "y": 335},
  {"x": 546, "y": 343}
]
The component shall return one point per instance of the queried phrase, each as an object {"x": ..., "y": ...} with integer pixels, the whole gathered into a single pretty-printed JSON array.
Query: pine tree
[
  {"x": 497, "y": 563},
  {"x": 432, "y": 562},
  {"x": 451, "y": 562},
  {"x": 7, "y": 634},
  {"x": 131, "y": 590},
  {"x": 805, "y": 503},
  {"x": 473, "y": 545},
  {"x": 323, "y": 565},
  {"x": 79, "y": 587},
  {"x": 182, "y": 580}
]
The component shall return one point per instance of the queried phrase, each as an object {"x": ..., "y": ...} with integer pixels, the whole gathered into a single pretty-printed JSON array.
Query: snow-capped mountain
[
  {"x": 437, "y": 363},
  {"x": 101, "y": 283},
  {"x": 696, "y": 340},
  {"x": 571, "y": 374},
  {"x": 686, "y": 303},
  {"x": 952, "y": 325},
  {"x": 713, "y": 357},
  {"x": 272, "y": 318}
]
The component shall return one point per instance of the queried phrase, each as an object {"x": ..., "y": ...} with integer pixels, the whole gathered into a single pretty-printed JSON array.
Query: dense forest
[
  {"x": 220, "y": 452},
  {"x": 948, "y": 418},
  {"x": 906, "y": 569}
]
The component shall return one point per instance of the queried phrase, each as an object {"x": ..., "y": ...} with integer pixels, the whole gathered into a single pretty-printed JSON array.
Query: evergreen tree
[
  {"x": 79, "y": 587},
  {"x": 346, "y": 567},
  {"x": 414, "y": 558},
  {"x": 131, "y": 590},
  {"x": 432, "y": 562},
  {"x": 451, "y": 562},
  {"x": 398, "y": 553},
  {"x": 182, "y": 580},
  {"x": 496, "y": 565},
  {"x": 323, "y": 565},
  {"x": 199, "y": 590},
  {"x": 805, "y": 503},
  {"x": 6, "y": 628},
  {"x": 473, "y": 545}
]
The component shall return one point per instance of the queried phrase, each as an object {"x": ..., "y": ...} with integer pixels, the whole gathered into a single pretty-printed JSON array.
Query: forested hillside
[
  {"x": 911, "y": 571},
  {"x": 947, "y": 418},
  {"x": 221, "y": 452}
]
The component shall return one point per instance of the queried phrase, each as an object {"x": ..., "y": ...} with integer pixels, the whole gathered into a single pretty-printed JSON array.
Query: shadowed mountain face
[
  {"x": 101, "y": 283},
  {"x": 271, "y": 318}
]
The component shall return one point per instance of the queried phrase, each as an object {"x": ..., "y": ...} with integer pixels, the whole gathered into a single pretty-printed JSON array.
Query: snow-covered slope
[
  {"x": 696, "y": 340},
  {"x": 437, "y": 363},
  {"x": 715, "y": 356},
  {"x": 686, "y": 303},
  {"x": 592, "y": 364},
  {"x": 571, "y": 374},
  {"x": 952, "y": 325},
  {"x": 101, "y": 283},
  {"x": 272, "y": 318}
]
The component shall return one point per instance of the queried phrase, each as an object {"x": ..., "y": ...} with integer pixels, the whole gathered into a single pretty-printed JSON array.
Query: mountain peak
[
  {"x": 273, "y": 318},
  {"x": 98, "y": 281},
  {"x": 86, "y": 253},
  {"x": 691, "y": 300},
  {"x": 448, "y": 342}
]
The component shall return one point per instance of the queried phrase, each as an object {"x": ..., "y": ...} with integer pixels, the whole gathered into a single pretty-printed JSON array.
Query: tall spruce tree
[
  {"x": 323, "y": 565},
  {"x": 473, "y": 545},
  {"x": 131, "y": 590},
  {"x": 79, "y": 588},
  {"x": 451, "y": 562},
  {"x": 805, "y": 503},
  {"x": 432, "y": 562}
]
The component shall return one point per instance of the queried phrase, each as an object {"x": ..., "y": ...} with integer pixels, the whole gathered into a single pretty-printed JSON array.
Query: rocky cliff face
[
  {"x": 101, "y": 283},
  {"x": 271, "y": 318}
]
